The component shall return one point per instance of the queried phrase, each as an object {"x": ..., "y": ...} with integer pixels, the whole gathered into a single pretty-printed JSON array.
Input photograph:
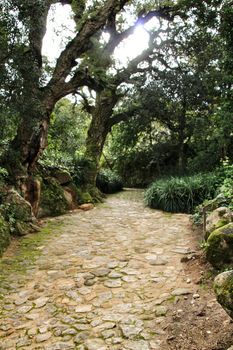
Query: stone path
[{"x": 106, "y": 281}]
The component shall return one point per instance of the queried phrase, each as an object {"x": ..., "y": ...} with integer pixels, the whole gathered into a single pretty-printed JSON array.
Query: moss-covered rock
[
  {"x": 16, "y": 205},
  {"x": 83, "y": 196},
  {"x": 17, "y": 212},
  {"x": 71, "y": 194},
  {"x": 4, "y": 234},
  {"x": 215, "y": 203},
  {"x": 21, "y": 228},
  {"x": 223, "y": 287},
  {"x": 218, "y": 218},
  {"x": 96, "y": 195},
  {"x": 62, "y": 176},
  {"x": 52, "y": 201},
  {"x": 219, "y": 247}
]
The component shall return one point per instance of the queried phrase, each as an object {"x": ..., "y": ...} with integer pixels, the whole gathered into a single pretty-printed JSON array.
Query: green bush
[
  {"x": 227, "y": 190},
  {"x": 225, "y": 175},
  {"x": 181, "y": 195},
  {"x": 81, "y": 167},
  {"x": 108, "y": 181}
]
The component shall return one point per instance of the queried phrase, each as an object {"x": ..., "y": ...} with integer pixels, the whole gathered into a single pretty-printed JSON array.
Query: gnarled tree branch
[{"x": 81, "y": 42}]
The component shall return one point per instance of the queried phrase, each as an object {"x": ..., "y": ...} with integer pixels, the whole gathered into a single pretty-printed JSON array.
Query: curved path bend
[{"x": 105, "y": 280}]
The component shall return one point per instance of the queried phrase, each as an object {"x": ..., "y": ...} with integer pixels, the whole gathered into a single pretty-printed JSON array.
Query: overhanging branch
[
  {"x": 81, "y": 42},
  {"x": 122, "y": 116},
  {"x": 116, "y": 38}
]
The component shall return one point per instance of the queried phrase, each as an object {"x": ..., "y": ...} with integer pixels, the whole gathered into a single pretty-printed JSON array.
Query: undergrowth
[
  {"x": 181, "y": 195},
  {"x": 108, "y": 181}
]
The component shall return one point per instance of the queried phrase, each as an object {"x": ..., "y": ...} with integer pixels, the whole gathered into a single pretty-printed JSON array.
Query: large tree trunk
[
  {"x": 181, "y": 157},
  {"x": 97, "y": 133},
  {"x": 30, "y": 140},
  {"x": 96, "y": 137},
  {"x": 27, "y": 146}
]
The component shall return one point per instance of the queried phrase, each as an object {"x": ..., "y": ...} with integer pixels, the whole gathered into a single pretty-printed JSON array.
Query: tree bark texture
[{"x": 97, "y": 132}]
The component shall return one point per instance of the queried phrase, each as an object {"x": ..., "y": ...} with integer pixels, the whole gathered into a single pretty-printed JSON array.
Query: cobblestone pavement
[{"x": 107, "y": 280}]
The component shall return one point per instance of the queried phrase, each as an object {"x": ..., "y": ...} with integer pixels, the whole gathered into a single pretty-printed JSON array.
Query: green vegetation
[
  {"x": 219, "y": 247},
  {"x": 108, "y": 182},
  {"x": 4, "y": 234},
  {"x": 180, "y": 194},
  {"x": 223, "y": 287},
  {"x": 27, "y": 252},
  {"x": 66, "y": 138},
  {"x": 225, "y": 176},
  {"x": 81, "y": 167},
  {"x": 52, "y": 198}
]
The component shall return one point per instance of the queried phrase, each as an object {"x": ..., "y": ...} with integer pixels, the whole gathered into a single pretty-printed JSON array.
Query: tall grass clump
[
  {"x": 108, "y": 182},
  {"x": 181, "y": 195}
]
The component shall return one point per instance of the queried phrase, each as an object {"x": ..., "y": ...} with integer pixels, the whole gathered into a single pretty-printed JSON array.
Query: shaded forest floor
[{"x": 119, "y": 277}]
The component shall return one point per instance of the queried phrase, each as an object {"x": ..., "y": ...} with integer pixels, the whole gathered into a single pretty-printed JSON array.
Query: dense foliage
[
  {"x": 181, "y": 194},
  {"x": 67, "y": 133},
  {"x": 225, "y": 179},
  {"x": 108, "y": 182},
  {"x": 185, "y": 194}
]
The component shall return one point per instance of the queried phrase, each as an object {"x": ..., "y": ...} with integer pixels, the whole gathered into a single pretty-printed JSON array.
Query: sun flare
[
  {"x": 52, "y": 44},
  {"x": 132, "y": 46}
]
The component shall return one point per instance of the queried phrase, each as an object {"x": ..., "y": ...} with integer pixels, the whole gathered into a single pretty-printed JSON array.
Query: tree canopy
[{"x": 178, "y": 87}]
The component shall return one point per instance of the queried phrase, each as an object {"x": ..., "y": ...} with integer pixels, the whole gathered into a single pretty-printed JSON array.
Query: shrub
[
  {"x": 227, "y": 190},
  {"x": 81, "y": 166},
  {"x": 108, "y": 181},
  {"x": 181, "y": 194},
  {"x": 225, "y": 175}
]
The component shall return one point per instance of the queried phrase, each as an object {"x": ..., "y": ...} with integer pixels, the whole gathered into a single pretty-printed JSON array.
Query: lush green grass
[
  {"x": 181, "y": 195},
  {"x": 108, "y": 181}
]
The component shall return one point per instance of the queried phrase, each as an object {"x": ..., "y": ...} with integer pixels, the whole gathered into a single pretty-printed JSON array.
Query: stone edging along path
[{"x": 103, "y": 279}]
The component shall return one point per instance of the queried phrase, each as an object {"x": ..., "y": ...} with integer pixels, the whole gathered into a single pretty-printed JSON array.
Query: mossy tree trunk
[
  {"x": 29, "y": 142},
  {"x": 98, "y": 131}
]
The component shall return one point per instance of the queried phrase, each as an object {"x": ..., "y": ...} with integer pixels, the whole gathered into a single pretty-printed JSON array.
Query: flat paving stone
[
  {"x": 113, "y": 283},
  {"x": 24, "y": 309},
  {"x": 94, "y": 344},
  {"x": 43, "y": 337},
  {"x": 40, "y": 302},
  {"x": 83, "y": 308},
  {"x": 181, "y": 291}
]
